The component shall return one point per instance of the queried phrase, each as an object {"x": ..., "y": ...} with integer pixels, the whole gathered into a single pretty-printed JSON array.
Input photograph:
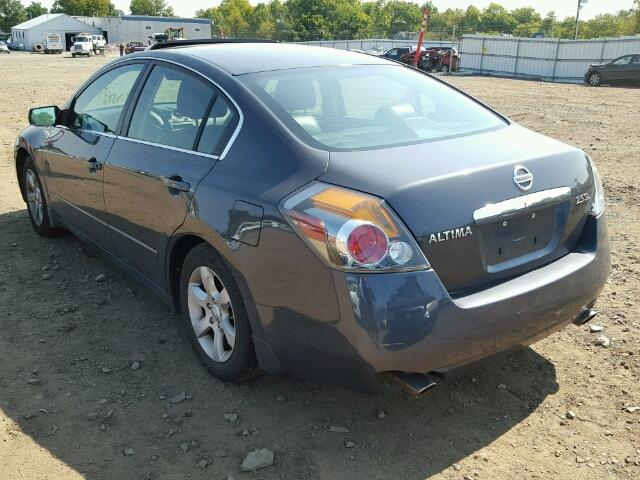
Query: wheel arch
[
  {"x": 21, "y": 158},
  {"x": 179, "y": 249}
]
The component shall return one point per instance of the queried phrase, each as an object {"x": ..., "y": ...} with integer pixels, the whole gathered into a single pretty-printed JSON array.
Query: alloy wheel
[
  {"x": 34, "y": 197},
  {"x": 211, "y": 314},
  {"x": 594, "y": 79}
]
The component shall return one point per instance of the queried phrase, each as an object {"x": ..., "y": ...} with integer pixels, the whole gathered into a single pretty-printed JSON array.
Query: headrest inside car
[
  {"x": 395, "y": 112},
  {"x": 295, "y": 94},
  {"x": 193, "y": 98}
]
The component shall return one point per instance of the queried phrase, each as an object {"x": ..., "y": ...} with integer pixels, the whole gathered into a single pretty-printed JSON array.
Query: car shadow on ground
[{"x": 69, "y": 340}]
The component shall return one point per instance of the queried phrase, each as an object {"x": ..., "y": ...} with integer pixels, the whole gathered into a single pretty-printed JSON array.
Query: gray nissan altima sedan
[{"x": 320, "y": 213}]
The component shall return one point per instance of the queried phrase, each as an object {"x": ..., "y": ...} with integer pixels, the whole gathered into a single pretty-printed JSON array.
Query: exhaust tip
[
  {"x": 585, "y": 317},
  {"x": 415, "y": 384}
]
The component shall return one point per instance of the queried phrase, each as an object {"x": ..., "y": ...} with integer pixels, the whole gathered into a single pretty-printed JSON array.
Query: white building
[
  {"x": 138, "y": 28},
  {"x": 31, "y": 32},
  {"x": 128, "y": 28}
]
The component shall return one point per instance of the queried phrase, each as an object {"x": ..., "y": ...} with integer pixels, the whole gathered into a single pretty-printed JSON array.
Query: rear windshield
[{"x": 368, "y": 106}]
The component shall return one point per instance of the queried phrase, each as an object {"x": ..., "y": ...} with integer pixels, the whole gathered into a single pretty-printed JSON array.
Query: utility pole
[
  {"x": 425, "y": 19},
  {"x": 580, "y": 4}
]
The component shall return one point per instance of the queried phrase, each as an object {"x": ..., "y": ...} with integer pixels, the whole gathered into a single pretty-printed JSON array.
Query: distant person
[{"x": 121, "y": 49}]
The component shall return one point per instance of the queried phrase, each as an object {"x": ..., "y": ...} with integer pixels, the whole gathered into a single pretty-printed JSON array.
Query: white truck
[
  {"x": 52, "y": 43},
  {"x": 88, "y": 44},
  {"x": 99, "y": 43}
]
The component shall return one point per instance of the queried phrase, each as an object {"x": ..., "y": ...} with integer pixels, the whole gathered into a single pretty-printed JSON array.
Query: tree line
[{"x": 301, "y": 20}]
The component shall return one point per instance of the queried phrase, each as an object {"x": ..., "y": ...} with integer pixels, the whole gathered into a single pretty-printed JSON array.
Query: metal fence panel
[
  {"x": 376, "y": 44},
  {"x": 545, "y": 59},
  {"x": 533, "y": 49}
]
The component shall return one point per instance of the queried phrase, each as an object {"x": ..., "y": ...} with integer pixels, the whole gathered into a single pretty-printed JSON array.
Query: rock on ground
[{"x": 256, "y": 460}]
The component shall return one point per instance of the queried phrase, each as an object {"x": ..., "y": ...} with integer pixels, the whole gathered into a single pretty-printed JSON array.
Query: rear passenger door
[{"x": 172, "y": 137}]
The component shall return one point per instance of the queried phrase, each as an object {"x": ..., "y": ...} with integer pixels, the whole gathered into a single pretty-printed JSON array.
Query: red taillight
[
  {"x": 366, "y": 243},
  {"x": 351, "y": 230}
]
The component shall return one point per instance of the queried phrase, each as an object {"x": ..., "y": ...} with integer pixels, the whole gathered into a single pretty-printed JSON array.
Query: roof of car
[{"x": 243, "y": 58}]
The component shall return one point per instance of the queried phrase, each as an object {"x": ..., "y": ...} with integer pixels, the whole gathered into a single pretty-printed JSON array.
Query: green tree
[
  {"x": 84, "y": 7},
  {"x": 526, "y": 15},
  {"x": 634, "y": 28},
  {"x": 280, "y": 17},
  {"x": 231, "y": 19},
  {"x": 548, "y": 24},
  {"x": 403, "y": 17},
  {"x": 158, "y": 8},
  {"x": 261, "y": 22},
  {"x": 471, "y": 21},
  {"x": 311, "y": 19},
  {"x": 497, "y": 19},
  {"x": 35, "y": 9},
  {"x": 527, "y": 29},
  {"x": 11, "y": 14},
  {"x": 378, "y": 19},
  {"x": 604, "y": 26}
]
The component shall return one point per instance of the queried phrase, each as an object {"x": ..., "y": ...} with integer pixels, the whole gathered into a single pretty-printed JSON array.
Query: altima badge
[
  {"x": 450, "y": 234},
  {"x": 523, "y": 178}
]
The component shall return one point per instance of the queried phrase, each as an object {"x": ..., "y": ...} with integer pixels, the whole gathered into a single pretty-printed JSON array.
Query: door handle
[
  {"x": 175, "y": 183},
  {"x": 93, "y": 164}
]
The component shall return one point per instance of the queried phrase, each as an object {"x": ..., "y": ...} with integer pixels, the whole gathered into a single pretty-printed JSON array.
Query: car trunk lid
[{"x": 460, "y": 199}]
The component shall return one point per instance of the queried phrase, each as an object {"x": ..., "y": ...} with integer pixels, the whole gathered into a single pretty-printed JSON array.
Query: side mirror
[{"x": 44, "y": 116}]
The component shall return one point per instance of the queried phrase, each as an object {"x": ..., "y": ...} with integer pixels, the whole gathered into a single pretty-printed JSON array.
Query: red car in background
[
  {"x": 444, "y": 59},
  {"x": 440, "y": 59},
  {"x": 133, "y": 47}
]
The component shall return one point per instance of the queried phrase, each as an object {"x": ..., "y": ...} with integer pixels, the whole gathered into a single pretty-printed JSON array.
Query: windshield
[
  {"x": 82, "y": 39},
  {"x": 368, "y": 106}
]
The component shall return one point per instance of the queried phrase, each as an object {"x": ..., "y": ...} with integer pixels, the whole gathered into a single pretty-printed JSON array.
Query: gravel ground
[{"x": 97, "y": 380}]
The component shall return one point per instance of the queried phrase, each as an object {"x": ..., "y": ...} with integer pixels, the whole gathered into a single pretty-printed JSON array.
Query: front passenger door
[
  {"x": 75, "y": 152},
  {"x": 635, "y": 69},
  {"x": 619, "y": 70},
  {"x": 153, "y": 170}
]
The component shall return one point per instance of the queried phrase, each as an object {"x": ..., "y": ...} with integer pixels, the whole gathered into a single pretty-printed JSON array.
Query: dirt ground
[{"x": 71, "y": 405}]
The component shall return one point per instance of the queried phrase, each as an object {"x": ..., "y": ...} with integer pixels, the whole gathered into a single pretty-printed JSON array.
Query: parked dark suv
[
  {"x": 625, "y": 69},
  {"x": 396, "y": 53},
  {"x": 318, "y": 212}
]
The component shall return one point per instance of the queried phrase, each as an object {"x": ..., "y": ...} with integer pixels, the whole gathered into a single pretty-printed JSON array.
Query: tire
[
  {"x": 73, "y": 55},
  {"x": 595, "y": 79},
  {"x": 36, "y": 202},
  {"x": 214, "y": 315}
]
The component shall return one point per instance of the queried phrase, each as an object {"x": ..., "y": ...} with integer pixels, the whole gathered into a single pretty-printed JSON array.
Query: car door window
[
  {"x": 219, "y": 127},
  {"x": 99, "y": 107},
  {"x": 623, "y": 60},
  {"x": 393, "y": 52},
  {"x": 170, "y": 109}
]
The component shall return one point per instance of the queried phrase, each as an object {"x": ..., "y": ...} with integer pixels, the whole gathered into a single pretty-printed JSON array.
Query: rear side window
[
  {"x": 170, "y": 108},
  {"x": 99, "y": 107},
  {"x": 219, "y": 127},
  {"x": 368, "y": 106}
]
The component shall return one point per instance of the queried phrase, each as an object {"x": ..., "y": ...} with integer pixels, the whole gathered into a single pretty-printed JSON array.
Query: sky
[{"x": 563, "y": 8}]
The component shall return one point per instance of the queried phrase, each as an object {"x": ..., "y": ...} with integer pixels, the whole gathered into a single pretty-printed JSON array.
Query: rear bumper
[{"x": 407, "y": 322}]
